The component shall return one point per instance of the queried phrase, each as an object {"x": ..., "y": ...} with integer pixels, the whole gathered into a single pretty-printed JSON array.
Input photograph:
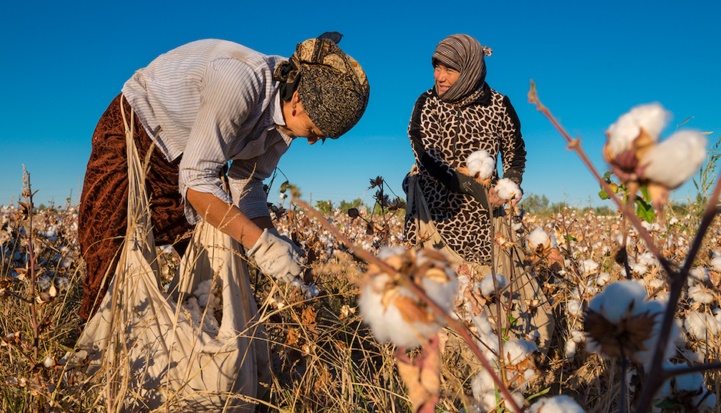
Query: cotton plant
[
  {"x": 508, "y": 190},
  {"x": 621, "y": 322},
  {"x": 481, "y": 166},
  {"x": 492, "y": 284},
  {"x": 685, "y": 392},
  {"x": 519, "y": 367},
  {"x": 556, "y": 404},
  {"x": 393, "y": 312},
  {"x": 543, "y": 246},
  {"x": 637, "y": 158}
]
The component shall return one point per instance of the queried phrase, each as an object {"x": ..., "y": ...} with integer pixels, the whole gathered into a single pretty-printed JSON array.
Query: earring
[{"x": 293, "y": 113}]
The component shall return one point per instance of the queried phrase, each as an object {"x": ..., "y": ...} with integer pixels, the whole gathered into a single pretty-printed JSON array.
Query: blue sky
[{"x": 63, "y": 62}]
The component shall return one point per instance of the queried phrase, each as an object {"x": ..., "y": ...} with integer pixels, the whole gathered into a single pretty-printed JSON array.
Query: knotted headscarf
[
  {"x": 463, "y": 53},
  {"x": 332, "y": 86}
]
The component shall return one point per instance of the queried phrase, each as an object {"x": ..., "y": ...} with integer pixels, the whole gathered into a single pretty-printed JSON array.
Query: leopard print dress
[{"x": 449, "y": 133}]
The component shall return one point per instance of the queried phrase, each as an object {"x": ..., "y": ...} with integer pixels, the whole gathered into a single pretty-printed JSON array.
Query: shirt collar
[{"x": 276, "y": 115}]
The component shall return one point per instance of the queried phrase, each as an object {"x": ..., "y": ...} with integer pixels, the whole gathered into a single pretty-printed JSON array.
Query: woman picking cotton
[
  {"x": 195, "y": 109},
  {"x": 462, "y": 125},
  {"x": 170, "y": 135}
]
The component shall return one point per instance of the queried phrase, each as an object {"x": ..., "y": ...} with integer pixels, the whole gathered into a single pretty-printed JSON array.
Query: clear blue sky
[{"x": 63, "y": 62}]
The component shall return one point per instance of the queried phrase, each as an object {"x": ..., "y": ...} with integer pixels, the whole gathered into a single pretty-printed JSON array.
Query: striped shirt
[{"x": 213, "y": 102}]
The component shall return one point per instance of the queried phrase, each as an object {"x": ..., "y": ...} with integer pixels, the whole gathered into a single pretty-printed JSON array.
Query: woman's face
[{"x": 445, "y": 77}]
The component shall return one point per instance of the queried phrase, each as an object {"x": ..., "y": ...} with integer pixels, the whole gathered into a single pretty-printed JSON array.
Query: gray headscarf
[
  {"x": 331, "y": 85},
  {"x": 465, "y": 54}
]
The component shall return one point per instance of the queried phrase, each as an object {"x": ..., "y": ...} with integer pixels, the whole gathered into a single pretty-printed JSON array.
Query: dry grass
[{"x": 324, "y": 359}]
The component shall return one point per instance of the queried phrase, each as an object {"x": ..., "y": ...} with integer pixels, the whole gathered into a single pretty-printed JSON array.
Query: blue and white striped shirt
[{"x": 214, "y": 101}]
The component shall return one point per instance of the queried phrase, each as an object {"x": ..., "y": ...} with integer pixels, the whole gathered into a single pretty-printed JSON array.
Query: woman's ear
[{"x": 295, "y": 99}]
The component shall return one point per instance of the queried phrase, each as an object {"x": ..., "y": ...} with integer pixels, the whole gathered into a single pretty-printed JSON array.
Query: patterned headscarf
[
  {"x": 332, "y": 86},
  {"x": 463, "y": 53}
]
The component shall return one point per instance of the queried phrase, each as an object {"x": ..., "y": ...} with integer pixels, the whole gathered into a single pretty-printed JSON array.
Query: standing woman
[
  {"x": 197, "y": 108},
  {"x": 449, "y": 210},
  {"x": 461, "y": 114}
]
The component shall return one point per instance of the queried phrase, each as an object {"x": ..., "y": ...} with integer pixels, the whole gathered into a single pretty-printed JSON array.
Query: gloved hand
[
  {"x": 297, "y": 249},
  {"x": 277, "y": 257}
]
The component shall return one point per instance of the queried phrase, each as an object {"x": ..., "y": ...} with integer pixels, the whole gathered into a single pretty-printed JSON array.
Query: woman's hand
[{"x": 277, "y": 257}]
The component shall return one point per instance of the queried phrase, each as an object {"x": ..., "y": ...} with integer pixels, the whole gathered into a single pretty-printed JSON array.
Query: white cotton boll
[
  {"x": 386, "y": 320},
  {"x": 481, "y": 164},
  {"x": 645, "y": 356},
  {"x": 639, "y": 268},
  {"x": 507, "y": 189},
  {"x": 442, "y": 293},
  {"x": 570, "y": 350},
  {"x": 652, "y": 118},
  {"x": 589, "y": 266},
  {"x": 700, "y": 326},
  {"x": 49, "y": 362},
  {"x": 697, "y": 274},
  {"x": 578, "y": 336},
  {"x": 387, "y": 252},
  {"x": 673, "y": 161},
  {"x": 716, "y": 263},
  {"x": 556, "y": 404},
  {"x": 536, "y": 238},
  {"x": 487, "y": 286},
  {"x": 51, "y": 234},
  {"x": 484, "y": 327},
  {"x": 648, "y": 259},
  {"x": 574, "y": 308},
  {"x": 656, "y": 283},
  {"x": 516, "y": 351},
  {"x": 618, "y": 300},
  {"x": 482, "y": 384},
  {"x": 698, "y": 293},
  {"x": 603, "y": 278}
]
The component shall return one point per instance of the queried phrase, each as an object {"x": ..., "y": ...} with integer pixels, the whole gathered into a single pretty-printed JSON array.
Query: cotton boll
[
  {"x": 484, "y": 327},
  {"x": 574, "y": 308},
  {"x": 603, "y": 278},
  {"x": 697, "y": 274},
  {"x": 385, "y": 320},
  {"x": 589, "y": 266},
  {"x": 570, "y": 350},
  {"x": 517, "y": 351},
  {"x": 618, "y": 299},
  {"x": 639, "y": 269},
  {"x": 716, "y": 263},
  {"x": 674, "y": 160},
  {"x": 652, "y": 118},
  {"x": 537, "y": 237},
  {"x": 699, "y": 294},
  {"x": 656, "y": 283},
  {"x": 700, "y": 326},
  {"x": 578, "y": 336},
  {"x": 482, "y": 384},
  {"x": 49, "y": 362},
  {"x": 556, "y": 404},
  {"x": 392, "y": 311},
  {"x": 480, "y": 164},
  {"x": 507, "y": 189},
  {"x": 487, "y": 286}
]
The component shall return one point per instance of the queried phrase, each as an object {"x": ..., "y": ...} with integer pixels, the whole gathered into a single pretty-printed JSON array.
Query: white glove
[
  {"x": 299, "y": 250},
  {"x": 277, "y": 257}
]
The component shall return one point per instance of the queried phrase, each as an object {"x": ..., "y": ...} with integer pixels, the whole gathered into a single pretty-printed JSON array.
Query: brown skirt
[{"x": 102, "y": 218}]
